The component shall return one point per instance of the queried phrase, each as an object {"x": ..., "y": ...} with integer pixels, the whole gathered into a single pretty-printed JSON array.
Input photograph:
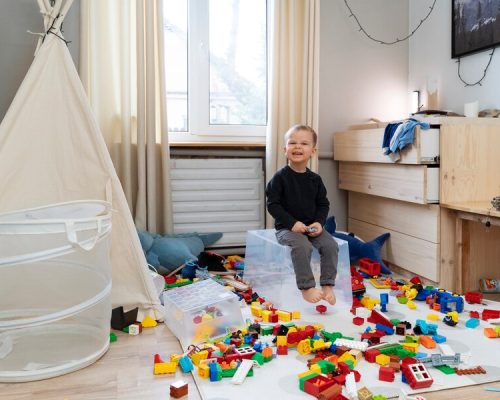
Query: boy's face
[{"x": 299, "y": 147}]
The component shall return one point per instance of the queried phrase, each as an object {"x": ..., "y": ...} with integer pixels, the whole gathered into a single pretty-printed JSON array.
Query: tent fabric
[{"x": 52, "y": 151}]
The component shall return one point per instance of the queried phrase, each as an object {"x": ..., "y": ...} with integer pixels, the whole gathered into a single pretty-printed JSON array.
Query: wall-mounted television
[{"x": 475, "y": 26}]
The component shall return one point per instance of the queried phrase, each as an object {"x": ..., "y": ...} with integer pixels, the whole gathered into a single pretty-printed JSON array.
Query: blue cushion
[{"x": 171, "y": 251}]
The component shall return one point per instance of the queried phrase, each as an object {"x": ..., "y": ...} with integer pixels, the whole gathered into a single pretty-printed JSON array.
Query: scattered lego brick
[{"x": 178, "y": 389}]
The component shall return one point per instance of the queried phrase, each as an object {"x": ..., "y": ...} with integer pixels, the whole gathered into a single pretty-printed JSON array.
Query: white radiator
[{"x": 218, "y": 195}]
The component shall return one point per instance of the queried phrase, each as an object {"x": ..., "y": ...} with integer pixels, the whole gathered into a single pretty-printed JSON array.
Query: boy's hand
[
  {"x": 314, "y": 229},
  {"x": 299, "y": 227}
]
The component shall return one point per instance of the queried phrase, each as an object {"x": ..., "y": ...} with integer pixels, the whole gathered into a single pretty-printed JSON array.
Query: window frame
[{"x": 198, "y": 92}]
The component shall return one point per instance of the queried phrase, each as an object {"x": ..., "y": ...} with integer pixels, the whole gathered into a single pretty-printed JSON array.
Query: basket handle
[{"x": 87, "y": 244}]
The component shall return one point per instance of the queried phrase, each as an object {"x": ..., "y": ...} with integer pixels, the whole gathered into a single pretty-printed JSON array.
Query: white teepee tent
[{"x": 52, "y": 151}]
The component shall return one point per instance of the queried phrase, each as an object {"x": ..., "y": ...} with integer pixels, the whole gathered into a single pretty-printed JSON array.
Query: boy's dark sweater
[{"x": 294, "y": 196}]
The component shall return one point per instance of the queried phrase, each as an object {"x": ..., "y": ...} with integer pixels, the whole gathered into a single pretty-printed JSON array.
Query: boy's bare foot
[
  {"x": 328, "y": 294},
  {"x": 312, "y": 295}
]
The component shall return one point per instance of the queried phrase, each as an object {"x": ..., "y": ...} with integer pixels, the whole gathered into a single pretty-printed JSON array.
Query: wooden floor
[{"x": 125, "y": 372}]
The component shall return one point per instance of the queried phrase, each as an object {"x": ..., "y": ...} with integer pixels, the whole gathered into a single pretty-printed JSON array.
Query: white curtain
[
  {"x": 294, "y": 92},
  {"x": 122, "y": 70}
]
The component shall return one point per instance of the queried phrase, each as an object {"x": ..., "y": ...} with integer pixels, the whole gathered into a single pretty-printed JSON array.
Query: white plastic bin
[
  {"x": 55, "y": 287},
  {"x": 185, "y": 307},
  {"x": 269, "y": 269}
]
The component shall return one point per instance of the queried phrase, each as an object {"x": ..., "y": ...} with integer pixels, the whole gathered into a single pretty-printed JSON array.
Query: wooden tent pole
[
  {"x": 62, "y": 14},
  {"x": 55, "y": 9},
  {"x": 44, "y": 13}
]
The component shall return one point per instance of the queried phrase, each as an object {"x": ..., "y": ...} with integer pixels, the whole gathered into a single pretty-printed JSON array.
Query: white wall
[
  {"x": 17, "y": 46},
  {"x": 359, "y": 79},
  {"x": 430, "y": 60}
]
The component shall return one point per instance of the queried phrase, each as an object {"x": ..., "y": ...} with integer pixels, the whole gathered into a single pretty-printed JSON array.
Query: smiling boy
[{"x": 296, "y": 198}]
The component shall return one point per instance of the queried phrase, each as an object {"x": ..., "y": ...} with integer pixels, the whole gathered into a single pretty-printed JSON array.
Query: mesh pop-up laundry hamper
[{"x": 55, "y": 285}]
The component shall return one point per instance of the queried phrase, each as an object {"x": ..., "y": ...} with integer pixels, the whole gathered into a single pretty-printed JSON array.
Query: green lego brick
[
  {"x": 113, "y": 337},
  {"x": 259, "y": 358},
  {"x": 395, "y": 321},
  {"x": 177, "y": 284},
  {"x": 266, "y": 330},
  {"x": 350, "y": 363},
  {"x": 305, "y": 378},
  {"x": 446, "y": 369},
  {"x": 326, "y": 366},
  {"x": 331, "y": 336}
]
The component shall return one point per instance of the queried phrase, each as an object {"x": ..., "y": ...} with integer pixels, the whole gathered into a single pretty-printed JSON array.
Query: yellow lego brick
[
  {"x": 256, "y": 311},
  {"x": 265, "y": 315},
  {"x": 304, "y": 347},
  {"x": 296, "y": 314},
  {"x": 453, "y": 315},
  {"x": 410, "y": 346},
  {"x": 148, "y": 322},
  {"x": 197, "y": 357},
  {"x": 203, "y": 370},
  {"x": 165, "y": 368},
  {"x": 305, "y": 373},
  {"x": 284, "y": 316},
  {"x": 281, "y": 341},
  {"x": 347, "y": 356},
  {"x": 175, "y": 358},
  {"x": 411, "y": 305},
  {"x": 315, "y": 368},
  {"x": 369, "y": 303},
  {"x": 382, "y": 359},
  {"x": 433, "y": 317},
  {"x": 319, "y": 345},
  {"x": 206, "y": 317}
]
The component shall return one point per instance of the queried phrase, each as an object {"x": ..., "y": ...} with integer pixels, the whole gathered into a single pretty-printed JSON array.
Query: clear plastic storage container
[
  {"x": 55, "y": 287},
  {"x": 269, "y": 269},
  {"x": 201, "y": 311}
]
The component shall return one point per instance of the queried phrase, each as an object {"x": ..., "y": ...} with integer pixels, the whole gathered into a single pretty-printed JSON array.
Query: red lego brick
[
  {"x": 321, "y": 308},
  {"x": 386, "y": 374},
  {"x": 369, "y": 267},
  {"x": 371, "y": 354},
  {"x": 358, "y": 321},
  {"x": 417, "y": 375},
  {"x": 490, "y": 314},
  {"x": 331, "y": 393},
  {"x": 379, "y": 318},
  {"x": 473, "y": 297},
  {"x": 317, "y": 384}
]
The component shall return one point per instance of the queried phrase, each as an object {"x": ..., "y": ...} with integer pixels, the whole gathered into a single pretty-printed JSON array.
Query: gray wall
[
  {"x": 17, "y": 46},
  {"x": 431, "y": 62},
  {"x": 359, "y": 79}
]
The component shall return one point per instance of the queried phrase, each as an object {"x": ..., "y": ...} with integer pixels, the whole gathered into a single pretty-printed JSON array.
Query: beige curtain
[
  {"x": 122, "y": 70},
  {"x": 294, "y": 91}
]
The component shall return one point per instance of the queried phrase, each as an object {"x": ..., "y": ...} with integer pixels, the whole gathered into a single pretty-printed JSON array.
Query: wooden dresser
[
  {"x": 394, "y": 197},
  {"x": 406, "y": 198}
]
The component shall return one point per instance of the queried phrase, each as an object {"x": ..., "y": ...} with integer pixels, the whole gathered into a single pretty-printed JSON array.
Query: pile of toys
[{"x": 333, "y": 357}]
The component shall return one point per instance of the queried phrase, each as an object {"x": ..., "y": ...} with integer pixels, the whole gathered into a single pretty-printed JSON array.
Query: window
[{"x": 216, "y": 68}]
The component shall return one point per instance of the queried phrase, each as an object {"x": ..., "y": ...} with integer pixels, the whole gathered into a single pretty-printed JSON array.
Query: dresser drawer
[
  {"x": 413, "y": 183},
  {"x": 365, "y": 145},
  {"x": 418, "y": 220},
  {"x": 413, "y": 254}
]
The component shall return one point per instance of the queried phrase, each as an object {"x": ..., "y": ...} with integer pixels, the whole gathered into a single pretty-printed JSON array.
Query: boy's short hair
[{"x": 297, "y": 128}]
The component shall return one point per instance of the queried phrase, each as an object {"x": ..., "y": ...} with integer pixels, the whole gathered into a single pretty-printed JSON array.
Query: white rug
[{"x": 278, "y": 378}]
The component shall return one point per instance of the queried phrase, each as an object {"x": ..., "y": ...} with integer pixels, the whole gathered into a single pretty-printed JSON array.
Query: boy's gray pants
[{"x": 302, "y": 247}]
